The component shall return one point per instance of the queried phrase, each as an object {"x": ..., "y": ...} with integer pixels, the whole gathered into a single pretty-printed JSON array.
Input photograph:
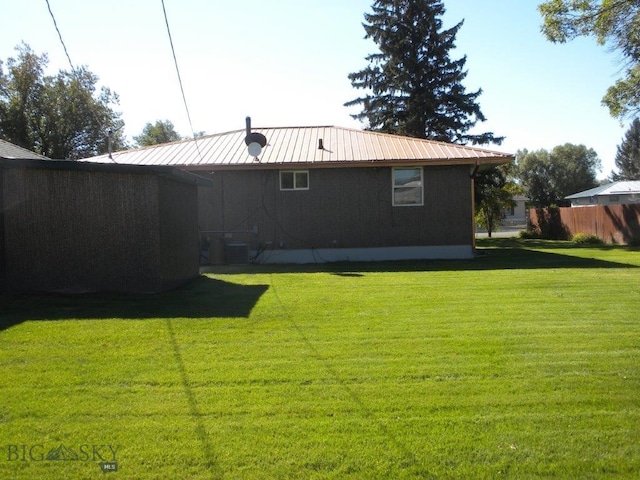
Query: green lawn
[{"x": 523, "y": 363}]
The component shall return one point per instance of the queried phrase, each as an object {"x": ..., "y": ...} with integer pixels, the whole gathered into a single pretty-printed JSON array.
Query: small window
[
  {"x": 294, "y": 180},
  {"x": 614, "y": 198},
  {"x": 407, "y": 187}
]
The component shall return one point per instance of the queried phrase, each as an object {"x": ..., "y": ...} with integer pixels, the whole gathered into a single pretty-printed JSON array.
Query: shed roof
[
  {"x": 9, "y": 150},
  {"x": 70, "y": 165},
  {"x": 305, "y": 146},
  {"x": 615, "y": 188}
]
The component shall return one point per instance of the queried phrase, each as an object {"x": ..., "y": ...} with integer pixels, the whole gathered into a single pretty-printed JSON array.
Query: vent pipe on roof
[{"x": 320, "y": 144}]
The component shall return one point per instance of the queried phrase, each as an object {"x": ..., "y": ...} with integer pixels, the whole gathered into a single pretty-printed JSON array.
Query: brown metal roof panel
[
  {"x": 386, "y": 148},
  {"x": 378, "y": 147},
  {"x": 292, "y": 138},
  {"x": 230, "y": 149},
  {"x": 344, "y": 145},
  {"x": 300, "y": 150},
  {"x": 287, "y": 145},
  {"x": 274, "y": 144},
  {"x": 362, "y": 147}
]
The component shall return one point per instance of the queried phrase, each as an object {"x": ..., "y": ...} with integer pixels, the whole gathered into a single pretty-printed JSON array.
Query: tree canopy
[
  {"x": 162, "y": 131},
  {"x": 413, "y": 86},
  {"x": 494, "y": 191},
  {"x": 628, "y": 154},
  {"x": 615, "y": 23},
  {"x": 548, "y": 177},
  {"x": 62, "y": 116}
]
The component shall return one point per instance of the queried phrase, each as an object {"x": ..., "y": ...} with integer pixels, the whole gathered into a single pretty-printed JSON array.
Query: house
[
  {"x": 81, "y": 227},
  {"x": 616, "y": 193},
  {"x": 517, "y": 214},
  {"x": 326, "y": 194}
]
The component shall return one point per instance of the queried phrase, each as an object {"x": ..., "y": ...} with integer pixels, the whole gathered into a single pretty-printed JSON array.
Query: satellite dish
[
  {"x": 255, "y": 149},
  {"x": 255, "y": 137},
  {"x": 255, "y": 141}
]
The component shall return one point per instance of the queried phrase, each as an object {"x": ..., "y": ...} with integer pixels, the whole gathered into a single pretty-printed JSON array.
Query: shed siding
[
  {"x": 3, "y": 253},
  {"x": 81, "y": 231},
  {"x": 343, "y": 208},
  {"x": 179, "y": 237}
]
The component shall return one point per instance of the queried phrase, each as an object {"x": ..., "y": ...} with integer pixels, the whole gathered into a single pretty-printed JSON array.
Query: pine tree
[
  {"x": 414, "y": 87},
  {"x": 628, "y": 155}
]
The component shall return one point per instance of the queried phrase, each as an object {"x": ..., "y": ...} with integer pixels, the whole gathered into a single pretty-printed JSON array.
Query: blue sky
[{"x": 285, "y": 63}]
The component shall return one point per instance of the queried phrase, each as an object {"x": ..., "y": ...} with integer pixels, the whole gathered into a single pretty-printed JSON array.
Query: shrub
[
  {"x": 634, "y": 242},
  {"x": 529, "y": 234},
  {"x": 585, "y": 239}
]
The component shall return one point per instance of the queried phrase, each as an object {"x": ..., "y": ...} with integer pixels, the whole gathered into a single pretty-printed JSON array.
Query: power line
[
  {"x": 175, "y": 61},
  {"x": 55, "y": 24},
  {"x": 76, "y": 74}
]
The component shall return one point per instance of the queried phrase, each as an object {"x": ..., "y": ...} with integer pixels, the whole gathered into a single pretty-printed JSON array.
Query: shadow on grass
[
  {"x": 204, "y": 297},
  {"x": 492, "y": 254},
  {"x": 207, "y": 297}
]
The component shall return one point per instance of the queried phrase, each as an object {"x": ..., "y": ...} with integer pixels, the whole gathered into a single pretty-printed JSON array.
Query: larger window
[
  {"x": 294, "y": 180},
  {"x": 407, "y": 187}
]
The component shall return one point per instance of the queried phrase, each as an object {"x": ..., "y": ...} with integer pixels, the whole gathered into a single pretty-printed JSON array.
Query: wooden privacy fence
[{"x": 612, "y": 223}]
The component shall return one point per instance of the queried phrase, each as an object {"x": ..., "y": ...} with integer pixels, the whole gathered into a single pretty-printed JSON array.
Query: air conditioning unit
[{"x": 237, "y": 253}]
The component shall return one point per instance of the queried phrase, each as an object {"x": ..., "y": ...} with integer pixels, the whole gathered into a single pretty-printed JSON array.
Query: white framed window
[
  {"x": 294, "y": 179},
  {"x": 407, "y": 186}
]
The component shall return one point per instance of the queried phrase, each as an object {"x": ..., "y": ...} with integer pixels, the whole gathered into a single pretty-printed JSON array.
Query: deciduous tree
[
  {"x": 160, "y": 132},
  {"x": 64, "y": 116},
  {"x": 413, "y": 86},
  {"x": 614, "y": 23},
  {"x": 494, "y": 192},
  {"x": 548, "y": 177}
]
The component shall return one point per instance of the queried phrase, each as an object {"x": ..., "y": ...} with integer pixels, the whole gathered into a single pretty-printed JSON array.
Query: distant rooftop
[
  {"x": 615, "y": 188},
  {"x": 11, "y": 151},
  {"x": 305, "y": 146}
]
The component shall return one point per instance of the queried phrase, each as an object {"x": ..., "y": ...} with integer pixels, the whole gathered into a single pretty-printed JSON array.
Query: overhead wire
[
  {"x": 64, "y": 46},
  {"x": 75, "y": 73},
  {"x": 184, "y": 97},
  {"x": 175, "y": 61}
]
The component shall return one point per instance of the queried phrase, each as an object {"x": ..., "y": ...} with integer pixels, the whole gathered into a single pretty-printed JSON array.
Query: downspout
[{"x": 473, "y": 207}]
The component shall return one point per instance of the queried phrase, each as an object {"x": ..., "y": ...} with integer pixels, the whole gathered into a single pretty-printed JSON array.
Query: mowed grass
[{"x": 524, "y": 363}]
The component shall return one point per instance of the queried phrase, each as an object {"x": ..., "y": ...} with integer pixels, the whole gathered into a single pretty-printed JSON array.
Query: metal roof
[
  {"x": 615, "y": 188},
  {"x": 305, "y": 146},
  {"x": 9, "y": 150}
]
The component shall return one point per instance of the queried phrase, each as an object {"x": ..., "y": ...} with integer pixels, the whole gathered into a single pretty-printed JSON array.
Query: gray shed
[{"x": 81, "y": 227}]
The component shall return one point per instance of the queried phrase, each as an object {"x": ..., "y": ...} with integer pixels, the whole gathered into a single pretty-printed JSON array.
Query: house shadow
[
  {"x": 491, "y": 254},
  {"x": 204, "y": 297},
  {"x": 208, "y": 297}
]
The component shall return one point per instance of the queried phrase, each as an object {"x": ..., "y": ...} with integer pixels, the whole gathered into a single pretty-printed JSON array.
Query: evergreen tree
[
  {"x": 628, "y": 155},
  {"x": 414, "y": 87}
]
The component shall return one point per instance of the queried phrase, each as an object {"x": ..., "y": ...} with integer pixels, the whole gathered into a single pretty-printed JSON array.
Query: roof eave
[{"x": 258, "y": 165}]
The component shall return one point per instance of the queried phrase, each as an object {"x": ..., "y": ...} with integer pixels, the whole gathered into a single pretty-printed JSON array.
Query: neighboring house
[
  {"x": 516, "y": 215},
  {"x": 616, "y": 193},
  {"x": 80, "y": 227},
  {"x": 11, "y": 151},
  {"x": 322, "y": 194}
]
